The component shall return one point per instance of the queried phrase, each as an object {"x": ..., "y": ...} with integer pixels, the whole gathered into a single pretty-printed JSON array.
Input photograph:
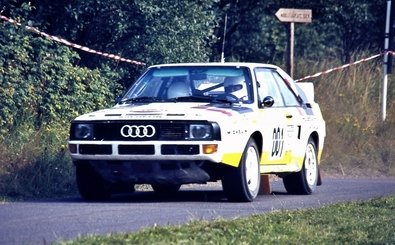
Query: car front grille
[
  {"x": 157, "y": 130},
  {"x": 136, "y": 150},
  {"x": 139, "y": 131},
  {"x": 168, "y": 149},
  {"x": 180, "y": 149},
  {"x": 95, "y": 149},
  {"x": 163, "y": 131}
]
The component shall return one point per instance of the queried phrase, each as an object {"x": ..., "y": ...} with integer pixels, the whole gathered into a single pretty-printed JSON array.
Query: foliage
[
  {"x": 150, "y": 31},
  {"x": 177, "y": 31},
  {"x": 164, "y": 31},
  {"x": 41, "y": 83},
  {"x": 41, "y": 90}
]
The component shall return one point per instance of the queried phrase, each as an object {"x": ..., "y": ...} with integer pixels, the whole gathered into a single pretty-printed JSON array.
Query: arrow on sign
[{"x": 294, "y": 15}]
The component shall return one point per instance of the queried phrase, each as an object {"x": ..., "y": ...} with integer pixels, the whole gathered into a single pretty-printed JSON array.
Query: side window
[
  {"x": 268, "y": 86},
  {"x": 289, "y": 97}
]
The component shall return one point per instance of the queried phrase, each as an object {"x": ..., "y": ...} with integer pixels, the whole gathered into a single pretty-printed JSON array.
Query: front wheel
[
  {"x": 305, "y": 181},
  {"x": 242, "y": 183}
]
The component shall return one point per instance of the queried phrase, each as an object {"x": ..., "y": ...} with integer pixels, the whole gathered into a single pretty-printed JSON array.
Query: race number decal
[{"x": 278, "y": 143}]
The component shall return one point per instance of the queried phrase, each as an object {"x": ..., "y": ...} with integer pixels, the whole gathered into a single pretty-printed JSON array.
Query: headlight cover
[
  {"x": 83, "y": 131},
  {"x": 200, "y": 132}
]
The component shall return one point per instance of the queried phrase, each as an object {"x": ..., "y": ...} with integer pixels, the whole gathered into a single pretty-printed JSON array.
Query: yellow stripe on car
[{"x": 232, "y": 159}]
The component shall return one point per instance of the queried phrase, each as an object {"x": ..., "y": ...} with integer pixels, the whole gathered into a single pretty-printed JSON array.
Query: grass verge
[
  {"x": 371, "y": 222},
  {"x": 35, "y": 164}
]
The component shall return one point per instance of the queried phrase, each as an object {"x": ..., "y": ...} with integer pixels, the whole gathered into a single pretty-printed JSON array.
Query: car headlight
[
  {"x": 200, "y": 131},
  {"x": 83, "y": 131}
]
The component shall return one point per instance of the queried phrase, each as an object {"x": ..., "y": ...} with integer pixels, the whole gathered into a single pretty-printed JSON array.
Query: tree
[
  {"x": 339, "y": 29},
  {"x": 41, "y": 83},
  {"x": 178, "y": 31},
  {"x": 165, "y": 31},
  {"x": 151, "y": 31}
]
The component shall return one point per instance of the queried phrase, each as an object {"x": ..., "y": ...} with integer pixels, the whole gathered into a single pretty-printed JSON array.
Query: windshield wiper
[
  {"x": 202, "y": 98},
  {"x": 191, "y": 98},
  {"x": 145, "y": 99},
  {"x": 230, "y": 99}
]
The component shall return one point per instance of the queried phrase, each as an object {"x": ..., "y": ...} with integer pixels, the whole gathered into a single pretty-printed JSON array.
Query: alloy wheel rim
[
  {"x": 310, "y": 165},
  {"x": 252, "y": 169}
]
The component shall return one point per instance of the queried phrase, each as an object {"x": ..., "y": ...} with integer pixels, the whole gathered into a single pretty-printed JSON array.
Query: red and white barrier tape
[
  {"x": 116, "y": 57},
  {"x": 343, "y": 66},
  {"x": 70, "y": 44}
]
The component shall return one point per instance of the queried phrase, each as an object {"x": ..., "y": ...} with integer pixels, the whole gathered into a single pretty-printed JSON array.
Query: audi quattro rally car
[{"x": 195, "y": 123}]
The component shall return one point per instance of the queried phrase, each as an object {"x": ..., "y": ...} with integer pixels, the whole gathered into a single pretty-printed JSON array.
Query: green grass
[{"x": 370, "y": 222}]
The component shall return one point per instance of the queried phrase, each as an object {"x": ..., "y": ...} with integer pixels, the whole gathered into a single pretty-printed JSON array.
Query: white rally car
[{"x": 201, "y": 122}]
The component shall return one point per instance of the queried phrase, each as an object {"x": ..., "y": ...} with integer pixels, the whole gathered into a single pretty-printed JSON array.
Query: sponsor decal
[
  {"x": 226, "y": 110},
  {"x": 278, "y": 142}
]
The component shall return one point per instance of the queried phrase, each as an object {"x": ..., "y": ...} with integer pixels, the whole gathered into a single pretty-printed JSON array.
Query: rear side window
[{"x": 289, "y": 97}]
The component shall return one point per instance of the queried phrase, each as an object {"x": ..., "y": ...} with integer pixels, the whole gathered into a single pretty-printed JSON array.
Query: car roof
[{"x": 224, "y": 64}]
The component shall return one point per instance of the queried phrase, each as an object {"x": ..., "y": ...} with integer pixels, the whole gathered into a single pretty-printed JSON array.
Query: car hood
[{"x": 168, "y": 111}]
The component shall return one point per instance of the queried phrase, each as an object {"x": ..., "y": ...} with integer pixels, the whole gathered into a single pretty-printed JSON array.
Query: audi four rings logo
[{"x": 138, "y": 131}]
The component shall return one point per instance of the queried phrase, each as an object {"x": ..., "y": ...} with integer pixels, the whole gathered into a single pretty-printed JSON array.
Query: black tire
[
  {"x": 305, "y": 181},
  {"x": 165, "y": 189},
  {"x": 91, "y": 185},
  {"x": 242, "y": 183}
]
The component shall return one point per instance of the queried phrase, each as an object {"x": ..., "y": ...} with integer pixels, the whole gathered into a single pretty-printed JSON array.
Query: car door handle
[{"x": 288, "y": 116}]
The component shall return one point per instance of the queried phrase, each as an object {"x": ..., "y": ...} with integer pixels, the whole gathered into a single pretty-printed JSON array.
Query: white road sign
[{"x": 294, "y": 15}]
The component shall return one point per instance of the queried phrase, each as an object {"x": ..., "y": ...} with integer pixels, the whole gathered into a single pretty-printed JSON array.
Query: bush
[
  {"x": 41, "y": 82},
  {"x": 41, "y": 90}
]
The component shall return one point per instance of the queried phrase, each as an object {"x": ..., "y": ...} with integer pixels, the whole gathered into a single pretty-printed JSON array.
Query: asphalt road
[{"x": 43, "y": 222}]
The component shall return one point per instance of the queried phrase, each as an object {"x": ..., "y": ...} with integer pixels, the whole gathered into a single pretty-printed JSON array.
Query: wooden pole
[
  {"x": 290, "y": 46},
  {"x": 386, "y": 48}
]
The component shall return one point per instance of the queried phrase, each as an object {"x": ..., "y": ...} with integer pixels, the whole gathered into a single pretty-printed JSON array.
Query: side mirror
[{"x": 268, "y": 101}]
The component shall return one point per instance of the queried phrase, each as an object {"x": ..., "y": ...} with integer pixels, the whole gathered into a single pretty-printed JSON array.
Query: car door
[
  {"x": 294, "y": 118},
  {"x": 278, "y": 121}
]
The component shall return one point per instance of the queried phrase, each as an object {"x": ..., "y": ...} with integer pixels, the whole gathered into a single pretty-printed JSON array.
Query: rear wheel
[
  {"x": 304, "y": 181},
  {"x": 242, "y": 183},
  {"x": 91, "y": 185}
]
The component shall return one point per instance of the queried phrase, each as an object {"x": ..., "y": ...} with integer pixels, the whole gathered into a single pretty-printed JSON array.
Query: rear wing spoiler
[{"x": 306, "y": 90}]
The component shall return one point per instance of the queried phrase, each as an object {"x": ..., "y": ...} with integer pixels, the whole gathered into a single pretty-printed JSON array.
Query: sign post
[
  {"x": 388, "y": 45},
  {"x": 293, "y": 16}
]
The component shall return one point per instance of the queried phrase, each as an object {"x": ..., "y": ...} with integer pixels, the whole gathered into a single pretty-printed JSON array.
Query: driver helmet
[{"x": 236, "y": 86}]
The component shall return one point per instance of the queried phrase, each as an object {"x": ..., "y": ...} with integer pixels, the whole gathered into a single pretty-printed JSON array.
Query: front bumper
[
  {"x": 154, "y": 172},
  {"x": 158, "y": 150}
]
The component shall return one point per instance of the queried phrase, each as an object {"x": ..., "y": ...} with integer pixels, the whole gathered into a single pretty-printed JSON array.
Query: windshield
[{"x": 196, "y": 83}]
